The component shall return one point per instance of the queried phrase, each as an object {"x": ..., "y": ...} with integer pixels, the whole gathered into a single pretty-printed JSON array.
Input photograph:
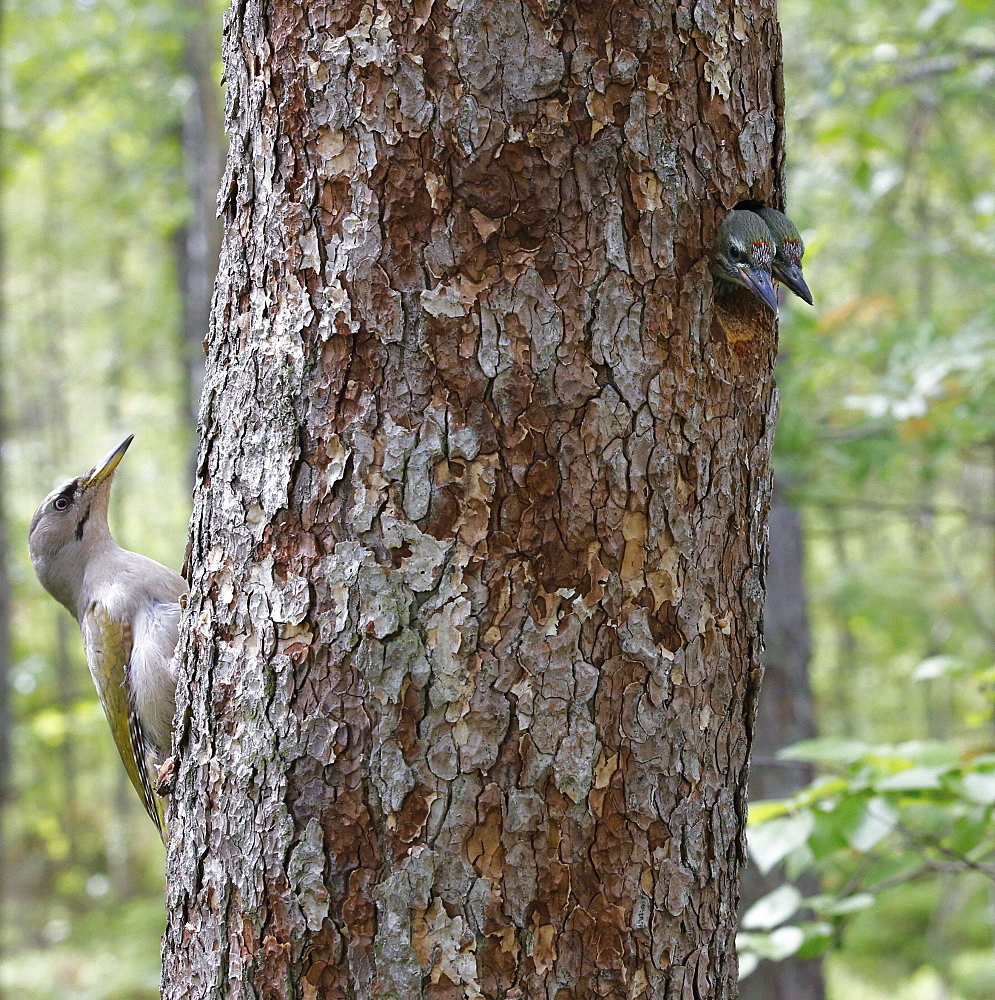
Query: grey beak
[
  {"x": 102, "y": 472},
  {"x": 761, "y": 284},
  {"x": 791, "y": 275}
]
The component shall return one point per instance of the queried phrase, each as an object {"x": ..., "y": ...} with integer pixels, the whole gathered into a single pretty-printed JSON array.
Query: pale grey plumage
[{"x": 127, "y": 606}]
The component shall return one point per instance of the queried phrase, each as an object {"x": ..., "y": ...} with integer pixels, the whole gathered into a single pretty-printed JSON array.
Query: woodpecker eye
[
  {"x": 61, "y": 503},
  {"x": 735, "y": 253}
]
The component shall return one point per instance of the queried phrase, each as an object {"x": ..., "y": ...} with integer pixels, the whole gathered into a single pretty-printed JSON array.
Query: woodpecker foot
[{"x": 166, "y": 778}]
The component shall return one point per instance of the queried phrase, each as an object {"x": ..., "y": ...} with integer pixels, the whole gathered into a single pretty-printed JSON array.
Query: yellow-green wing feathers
[{"x": 108, "y": 650}]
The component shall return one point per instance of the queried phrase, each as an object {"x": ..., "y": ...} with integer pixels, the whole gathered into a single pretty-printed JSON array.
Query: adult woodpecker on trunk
[
  {"x": 788, "y": 252},
  {"x": 128, "y": 609},
  {"x": 743, "y": 254}
]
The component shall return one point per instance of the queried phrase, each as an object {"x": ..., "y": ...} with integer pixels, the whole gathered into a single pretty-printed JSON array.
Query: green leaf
[
  {"x": 777, "y": 945},
  {"x": 912, "y": 779},
  {"x": 826, "y": 750},
  {"x": 748, "y": 962},
  {"x": 818, "y": 937},
  {"x": 776, "y": 839},
  {"x": 928, "y": 753},
  {"x": 773, "y": 909},
  {"x": 764, "y": 811},
  {"x": 879, "y": 819},
  {"x": 823, "y": 788},
  {"x": 835, "y": 826},
  {"x": 980, "y": 786},
  {"x": 785, "y": 941},
  {"x": 827, "y": 905},
  {"x": 968, "y": 831}
]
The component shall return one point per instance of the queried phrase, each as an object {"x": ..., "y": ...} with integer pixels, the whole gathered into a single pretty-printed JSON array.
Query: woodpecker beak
[
  {"x": 791, "y": 275},
  {"x": 759, "y": 282},
  {"x": 102, "y": 473}
]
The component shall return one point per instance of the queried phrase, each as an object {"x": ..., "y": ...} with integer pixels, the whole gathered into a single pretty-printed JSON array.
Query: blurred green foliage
[
  {"x": 886, "y": 441},
  {"x": 94, "y": 202}
]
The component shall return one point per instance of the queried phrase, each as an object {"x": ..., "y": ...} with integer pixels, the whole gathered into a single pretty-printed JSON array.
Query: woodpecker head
[
  {"x": 68, "y": 525},
  {"x": 743, "y": 255},
  {"x": 788, "y": 252}
]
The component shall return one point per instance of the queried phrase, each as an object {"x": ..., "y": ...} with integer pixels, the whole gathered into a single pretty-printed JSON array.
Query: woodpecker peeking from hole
[
  {"x": 743, "y": 255},
  {"x": 128, "y": 609},
  {"x": 788, "y": 252}
]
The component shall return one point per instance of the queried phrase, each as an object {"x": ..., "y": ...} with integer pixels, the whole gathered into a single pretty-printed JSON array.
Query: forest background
[{"x": 886, "y": 447}]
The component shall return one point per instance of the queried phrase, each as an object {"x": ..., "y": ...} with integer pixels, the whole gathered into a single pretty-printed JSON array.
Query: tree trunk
[
  {"x": 477, "y": 548},
  {"x": 785, "y": 715}
]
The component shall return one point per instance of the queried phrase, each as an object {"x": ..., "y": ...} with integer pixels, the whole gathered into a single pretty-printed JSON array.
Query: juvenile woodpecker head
[
  {"x": 743, "y": 255},
  {"x": 70, "y": 523},
  {"x": 788, "y": 252}
]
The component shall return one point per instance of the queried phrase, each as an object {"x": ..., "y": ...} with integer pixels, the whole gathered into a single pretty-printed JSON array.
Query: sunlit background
[{"x": 886, "y": 445}]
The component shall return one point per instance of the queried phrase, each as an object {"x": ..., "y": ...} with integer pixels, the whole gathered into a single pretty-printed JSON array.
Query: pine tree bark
[{"x": 477, "y": 550}]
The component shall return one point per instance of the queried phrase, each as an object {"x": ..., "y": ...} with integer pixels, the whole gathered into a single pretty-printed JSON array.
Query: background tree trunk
[
  {"x": 6, "y": 716},
  {"x": 198, "y": 243},
  {"x": 472, "y": 647},
  {"x": 785, "y": 715}
]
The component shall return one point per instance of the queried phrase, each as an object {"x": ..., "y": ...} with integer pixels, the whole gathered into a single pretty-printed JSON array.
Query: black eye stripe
[{"x": 65, "y": 499}]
